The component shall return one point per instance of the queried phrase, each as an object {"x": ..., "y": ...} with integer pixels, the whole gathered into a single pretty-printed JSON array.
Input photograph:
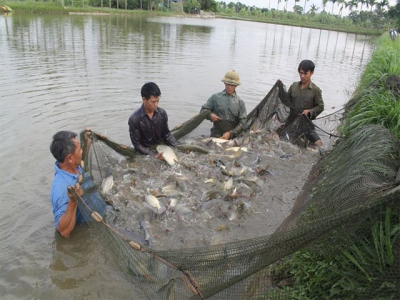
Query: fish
[
  {"x": 167, "y": 190},
  {"x": 190, "y": 147},
  {"x": 107, "y": 184},
  {"x": 233, "y": 215},
  {"x": 154, "y": 204},
  {"x": 234, "y": 149},
  {"x": 251, "y": 181},
  {"x": 234, "y": 171},
  {"x": 145, "y": 226},
  {"x": 172, "y": 204},
  {"x": 127, "y": 234},
  {"x": 182, "y": 209},
  {"x": 256, "y": 160},
  {"x": 219, "y": 141},
  {"x": 228, "y": 185},
  {"x": 168, "y": 154},
  {"x": 212, "y": 194}
]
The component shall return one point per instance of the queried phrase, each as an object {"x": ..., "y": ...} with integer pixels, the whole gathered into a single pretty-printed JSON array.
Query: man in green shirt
[
  {"x": 226, "y": 110},
  {"x": 306, "y": 99}
]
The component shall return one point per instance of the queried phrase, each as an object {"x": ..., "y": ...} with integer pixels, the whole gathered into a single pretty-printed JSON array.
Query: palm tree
[
  {"x": 362, "y": 3},
  {"x": 324, "y": 2},
  {"x": 341, "y": 3},
  {"x": 313, "y": 9},
  {"x": 382, "y": 4},
  {"x": 371, "y": 3},
  {"x": 380, "y": 7},
  {"x": 279, "y": 1},
  {"x": 351, "y": 4}
]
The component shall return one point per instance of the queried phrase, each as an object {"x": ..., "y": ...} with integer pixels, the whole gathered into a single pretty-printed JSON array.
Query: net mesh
[{"x": 343, "y": 197}]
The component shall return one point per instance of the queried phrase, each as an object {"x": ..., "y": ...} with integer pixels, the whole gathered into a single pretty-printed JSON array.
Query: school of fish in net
[{"x": 200, "y": 198}]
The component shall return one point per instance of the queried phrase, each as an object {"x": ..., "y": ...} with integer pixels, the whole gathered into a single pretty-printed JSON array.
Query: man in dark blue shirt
[{"x": 148, "y": 125}]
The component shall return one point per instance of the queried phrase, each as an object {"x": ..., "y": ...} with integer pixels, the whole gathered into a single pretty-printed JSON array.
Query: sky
[{"x": 274, "y": 4}]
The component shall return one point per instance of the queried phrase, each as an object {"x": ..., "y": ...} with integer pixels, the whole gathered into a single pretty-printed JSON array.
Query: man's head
[
  {"x": 150, "y": 96},
  {"x": 66, "y": 148},
  {"x": 306, "y": 70},
  {"x": 231, "y": 80}
]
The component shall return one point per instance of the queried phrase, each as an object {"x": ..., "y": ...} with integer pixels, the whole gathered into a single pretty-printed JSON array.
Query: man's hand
[
  {"x": 160, "y": 156},
  {"x": 77, "y": 189},
  {"x": 226, "y": 136},
  {"x": 305, "y": 112},
  {"x": 214, "y": 118}
]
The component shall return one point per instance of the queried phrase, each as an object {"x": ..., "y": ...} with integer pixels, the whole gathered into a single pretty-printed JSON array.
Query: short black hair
[
  {"x": 306, "y": 65},
  {"x": 62, "y": 145},
  {"x": 150, "y": 89}
]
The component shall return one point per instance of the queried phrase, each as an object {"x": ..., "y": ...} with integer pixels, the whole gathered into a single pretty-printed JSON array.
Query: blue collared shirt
[{"x": 59, "y": 197}]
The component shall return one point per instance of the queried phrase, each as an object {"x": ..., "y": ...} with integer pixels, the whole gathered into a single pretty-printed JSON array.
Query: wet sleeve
[
  {"x": 319, "y": 104},
  {"x": 242, "y": 120},
  {"x": 135, "y": 136},
  {"x": 59, "y": 201},
  {"x": 169, "y": 139},
  {"x": 208, "y": 106}
]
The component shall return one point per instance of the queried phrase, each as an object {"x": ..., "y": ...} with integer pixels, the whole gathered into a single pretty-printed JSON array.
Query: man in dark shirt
[{"x": 148, "y": 125}]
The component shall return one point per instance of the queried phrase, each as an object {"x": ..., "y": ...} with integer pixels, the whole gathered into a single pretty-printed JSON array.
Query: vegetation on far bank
[{"x": 375, "y": 19}]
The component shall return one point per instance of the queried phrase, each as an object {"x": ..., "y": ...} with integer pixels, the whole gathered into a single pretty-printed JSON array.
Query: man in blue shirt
[{"x": 66, "y": 149}]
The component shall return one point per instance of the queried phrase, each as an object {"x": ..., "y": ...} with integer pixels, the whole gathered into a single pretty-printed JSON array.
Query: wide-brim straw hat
[{"x": 231, "y": 77}]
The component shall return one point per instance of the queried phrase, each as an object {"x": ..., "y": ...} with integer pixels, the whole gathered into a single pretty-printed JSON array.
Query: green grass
[
  {"x": 336, "y": 24},
  {"x": 36, "y": 7},
  {"x": 373, "y": 102},
  {"x": 379, "y": 106},
  {"x": 367, "y": 267},
  {"x": 24, "y": 7}
]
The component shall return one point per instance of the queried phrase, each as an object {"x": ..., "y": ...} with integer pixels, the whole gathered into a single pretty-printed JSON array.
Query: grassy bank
[
  {"x": 336, "y": 24},
  {"x": 57, "y": 8},
  {"x": 290, "y": 19}
]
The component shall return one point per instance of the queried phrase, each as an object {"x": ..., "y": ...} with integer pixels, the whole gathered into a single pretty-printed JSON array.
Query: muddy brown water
[{"x": 76, "y": 72}]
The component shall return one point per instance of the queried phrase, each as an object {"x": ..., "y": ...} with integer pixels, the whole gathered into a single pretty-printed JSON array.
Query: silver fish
[
  {"x": 172, "y": 204},
  {"x": 235, "y": 149},
  {"x": 154, "y": 204},
  {"x": 228, "y": 184},
  {"x": 196, "y": 148},
  {"x": 145, "y": 226},
  {"x": 182, "y": 209},
  {"x": 168, "y": 154},
  {"x": 219, "y": 141},
  {"x": 107, "y": 184},
  {"x": 215, "y": 193}
]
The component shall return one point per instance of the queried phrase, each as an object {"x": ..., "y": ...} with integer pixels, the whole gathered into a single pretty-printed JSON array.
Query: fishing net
[{"x": 346, "y": 193}]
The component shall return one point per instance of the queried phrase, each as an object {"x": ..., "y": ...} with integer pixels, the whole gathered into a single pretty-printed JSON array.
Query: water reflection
[{"x": 70, "y": 258}]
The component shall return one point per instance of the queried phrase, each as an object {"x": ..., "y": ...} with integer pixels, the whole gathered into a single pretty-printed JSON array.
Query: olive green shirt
[
  {"x": 228, "y": 108},
  {"x": 308, "y": 98}
]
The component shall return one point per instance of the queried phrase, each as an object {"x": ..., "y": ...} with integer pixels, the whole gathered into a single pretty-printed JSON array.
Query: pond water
[{"x": 75, "y": 72}]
